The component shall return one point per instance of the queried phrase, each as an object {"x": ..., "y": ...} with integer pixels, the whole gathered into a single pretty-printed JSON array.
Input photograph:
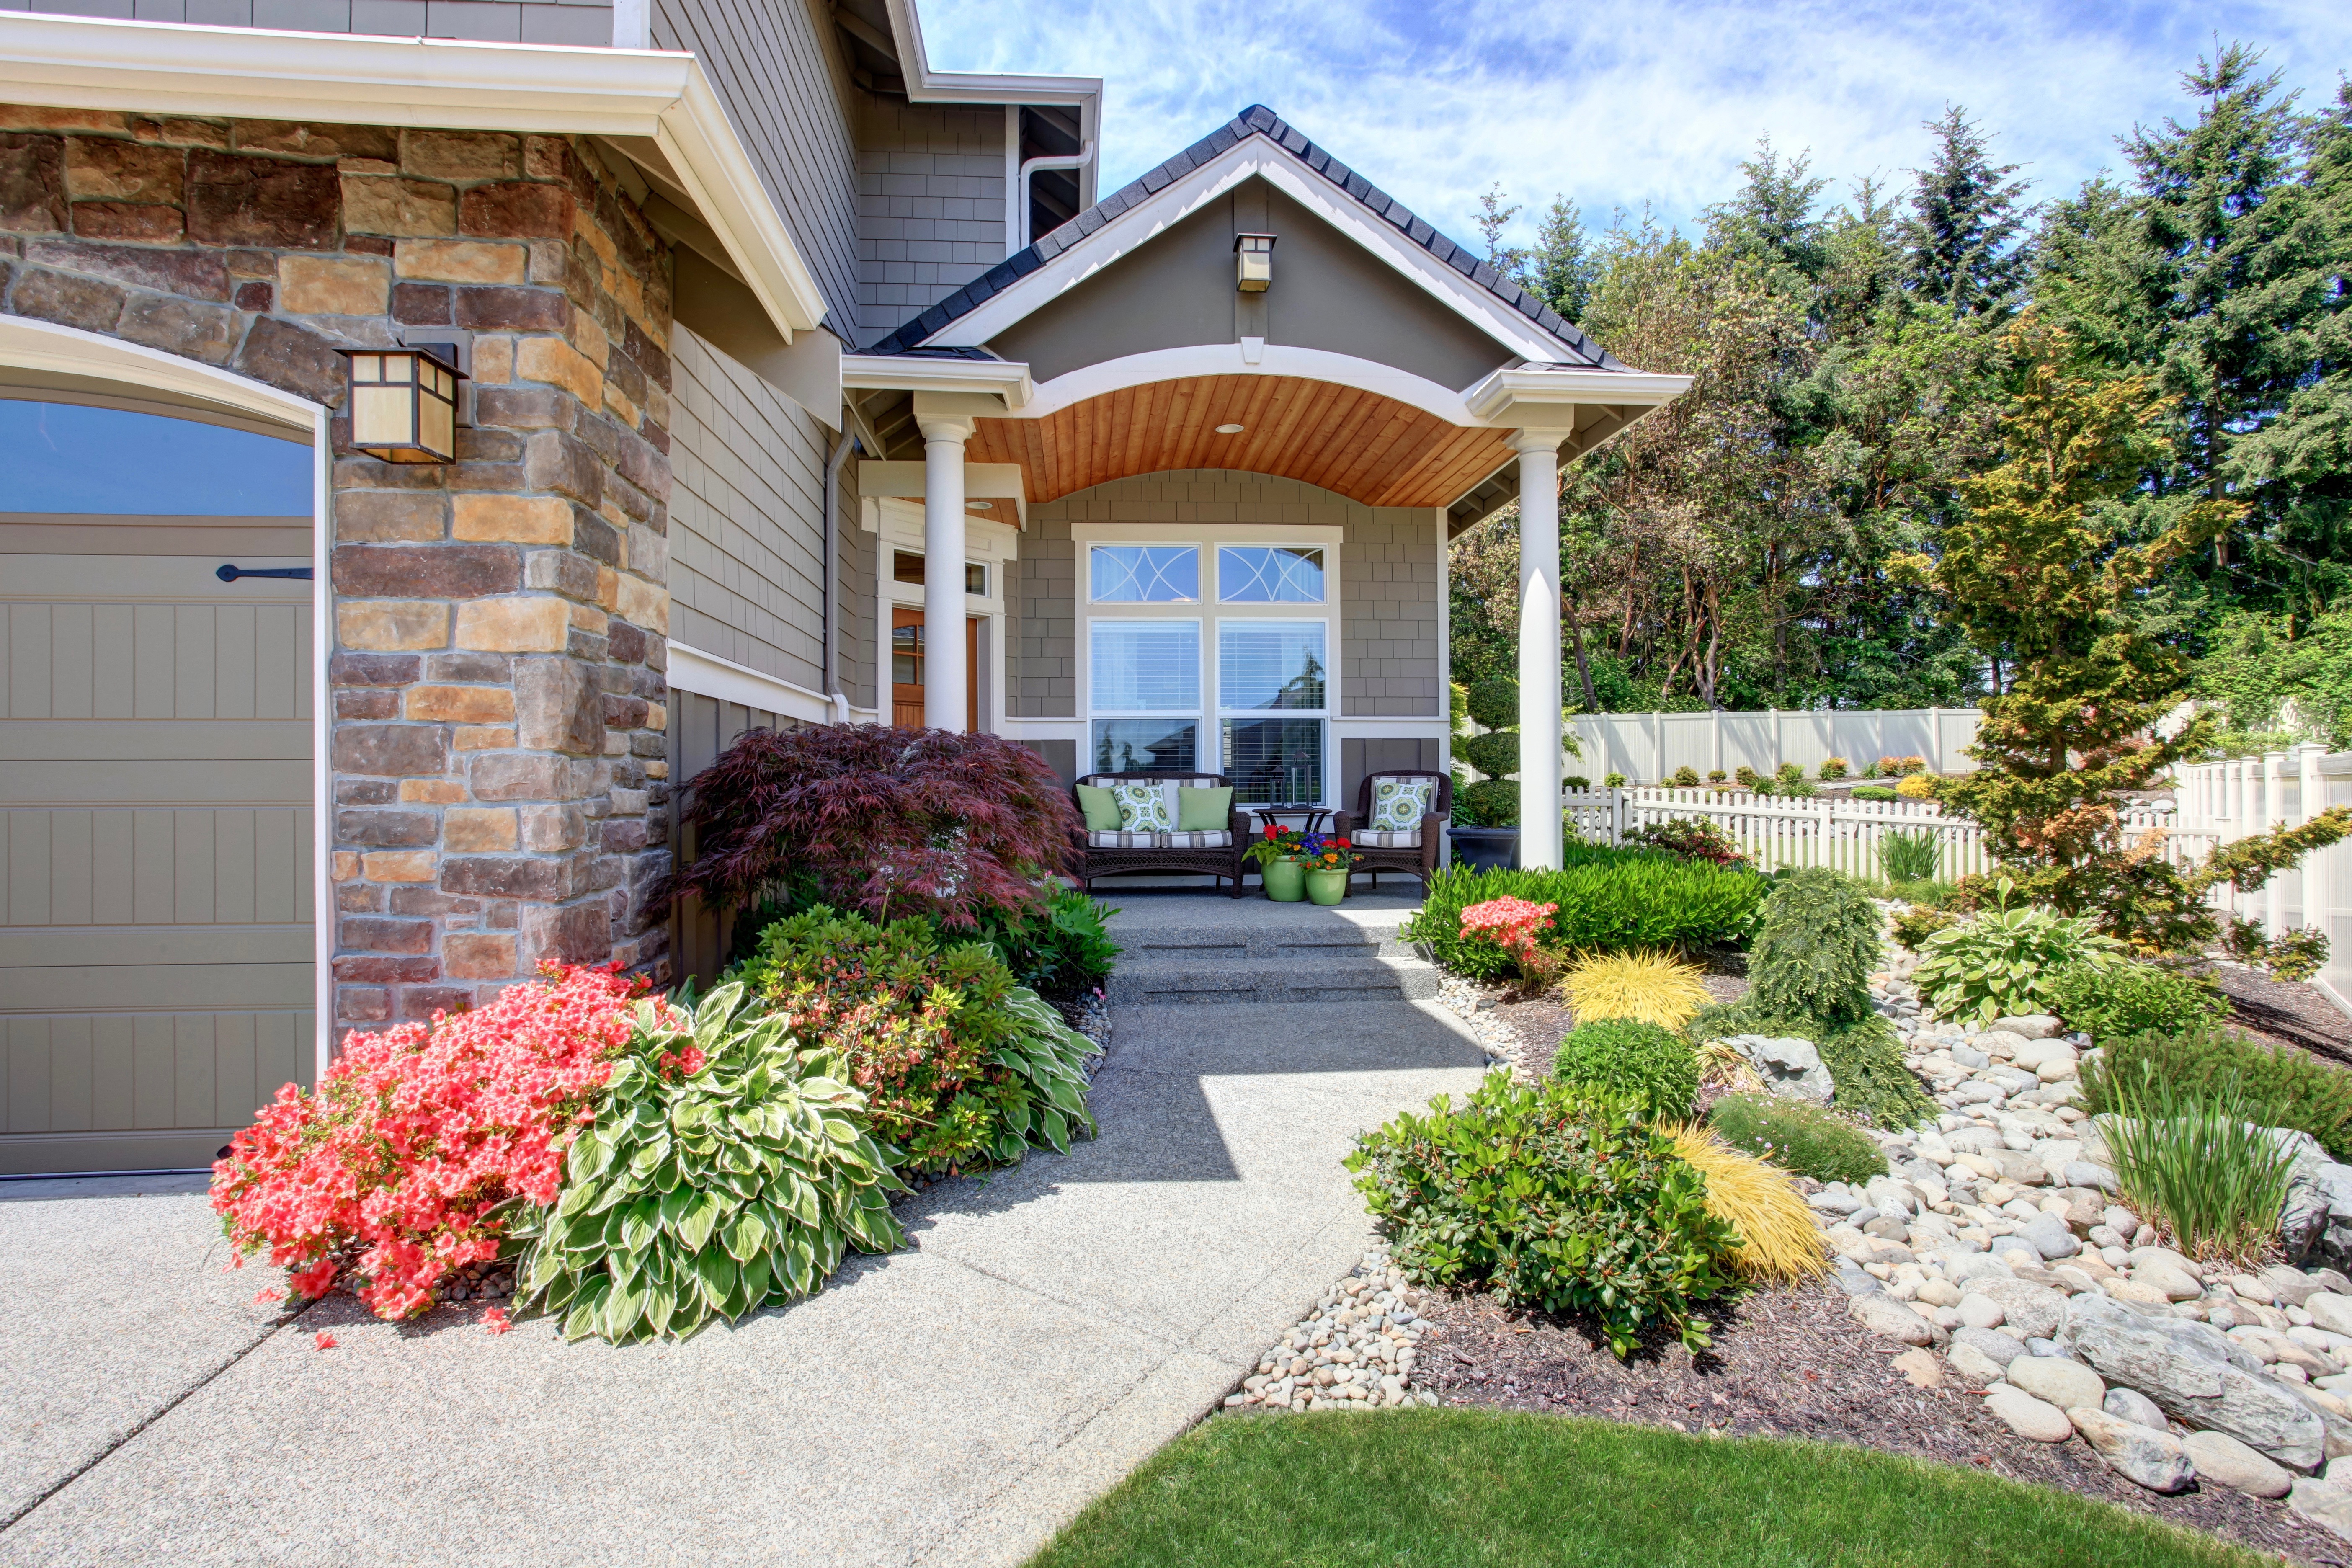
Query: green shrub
[
  {"x": 1745, "y": 775},
  {"x": 1576, "y": 781},
  {"x": 2006, "y": 962},
  {"x": 1917, "y": 922},
  {"x": 1714, "y": 775},
  {"x": 1934, "y": 895},
  {"x": 2302, "y": 1091},
  {"x": 1608, "y": 898},
  {"x": 2131, "y": 998},
  {"x": 1558, "y": 1198},
  {"x": 2199, "y": 1159},
  {"x": 711, "y": 1192},
  {"x": 1788, "y": 773},
  {"x": 1687, "y": 777},
  {"x": 1872, "y": 791},
  {"x": 1909, "y": 857},
  {"x": 960, "y": 1066},
  {"x": 1797, "y": 1137},
  {"x": 1870, "y": 771},
  {"x": 2296, "y": 955},
  {"x": 1815, "y": 948},
  {"x": 1834, "y": 767},
  {"x": 1061, "y": 951},
  {"x": 1865, "y": 1059},
  {"x": 1495, "y": 753},
  {"x": 1614, "y": 781},
  {"x": 1624, "y": 1055},
  {"x": 1493, "y": 801}
]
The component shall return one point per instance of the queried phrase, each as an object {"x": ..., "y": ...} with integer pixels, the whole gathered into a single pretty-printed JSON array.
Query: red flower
[
  {"x": 494, "y": 1321},
  {"x": 1271, "y": 831},
  {"x": 326, "y": 1340},
  {"x": 1342, "y": 843}
]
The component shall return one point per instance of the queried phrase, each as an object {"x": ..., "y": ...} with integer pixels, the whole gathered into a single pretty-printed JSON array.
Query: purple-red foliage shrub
[{"x": 892, "y": 822}]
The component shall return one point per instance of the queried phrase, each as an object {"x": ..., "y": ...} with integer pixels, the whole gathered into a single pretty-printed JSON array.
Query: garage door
[{"x": 156, "y": 938}]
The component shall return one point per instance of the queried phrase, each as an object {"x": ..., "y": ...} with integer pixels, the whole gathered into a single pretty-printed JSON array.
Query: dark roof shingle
[{"x": 1256, "y": 121}]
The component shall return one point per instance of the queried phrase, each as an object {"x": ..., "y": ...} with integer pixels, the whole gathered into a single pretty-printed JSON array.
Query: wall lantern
[
  {"x": 1253, "y": 262},
  {"x": 403, "y": 405}
]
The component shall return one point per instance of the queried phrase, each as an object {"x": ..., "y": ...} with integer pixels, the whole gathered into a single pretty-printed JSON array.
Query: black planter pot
[{"x": 1486, "y": 848}]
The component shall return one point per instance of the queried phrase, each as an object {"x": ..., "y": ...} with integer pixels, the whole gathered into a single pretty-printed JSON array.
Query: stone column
[{"x": 1540, "y": 720}]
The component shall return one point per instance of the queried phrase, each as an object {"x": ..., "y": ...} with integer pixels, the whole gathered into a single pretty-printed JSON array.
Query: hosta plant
[
  {"x": 728, "y": 1169},
  {"x": 2007, "y": 962}
]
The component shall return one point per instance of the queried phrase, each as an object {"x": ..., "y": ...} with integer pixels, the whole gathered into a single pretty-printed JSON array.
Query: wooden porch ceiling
[{"x": 1367, "y": 448}]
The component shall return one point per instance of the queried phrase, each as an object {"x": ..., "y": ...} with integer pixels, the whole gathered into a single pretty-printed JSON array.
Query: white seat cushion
[{"x": 1386, "y": 838}]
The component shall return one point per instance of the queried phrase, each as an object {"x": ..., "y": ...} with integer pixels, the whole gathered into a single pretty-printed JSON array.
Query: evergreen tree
[
  {"x": 1964, "y": 223},
  {"x": 1773, "y": 218},
  {"x": 1495, "y": 215},
  {"x": 1561, "y": 268}
]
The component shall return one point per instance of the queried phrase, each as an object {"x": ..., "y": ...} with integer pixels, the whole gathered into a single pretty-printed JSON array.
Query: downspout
[
  {"x": 841, "y": 450},
  {"x": 1077, "y": 159}
]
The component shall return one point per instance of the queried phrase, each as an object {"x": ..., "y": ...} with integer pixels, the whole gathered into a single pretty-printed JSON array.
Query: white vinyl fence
[
  {"x": 2245, "y": 795},
  {"x": 1842, "y": 835},
  {"x": 1648, "y": 747}
]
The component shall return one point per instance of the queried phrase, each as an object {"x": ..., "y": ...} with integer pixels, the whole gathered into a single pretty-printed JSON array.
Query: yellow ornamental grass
[
  {"x": 1648, "y": 987},
  {"x": 1777, "y": 1241}
]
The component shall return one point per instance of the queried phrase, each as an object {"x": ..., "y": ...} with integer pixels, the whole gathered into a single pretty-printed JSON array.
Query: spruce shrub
[
  {"x": 1815, "y": 949},
  {"x": 1654, "y": 1065},
  {"x": 1865, "y": 1059},
  {"x": 1797, "y": 1137}
]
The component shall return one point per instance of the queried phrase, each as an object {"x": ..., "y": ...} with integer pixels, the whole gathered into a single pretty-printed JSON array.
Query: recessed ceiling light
[
  {"x": 979, "y": 506},
  {"x": 1229, "y": 429}
]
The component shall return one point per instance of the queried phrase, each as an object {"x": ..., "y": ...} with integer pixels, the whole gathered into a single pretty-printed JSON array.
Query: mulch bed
[
  {"x": 2294, "y": 1011},
  {"x": 1541, "y": 1023},
  {"x": 1790, "y": 1363}
]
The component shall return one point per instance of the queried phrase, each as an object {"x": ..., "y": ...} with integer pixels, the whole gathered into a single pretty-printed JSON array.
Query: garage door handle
[{"x": 231, "y": 573}]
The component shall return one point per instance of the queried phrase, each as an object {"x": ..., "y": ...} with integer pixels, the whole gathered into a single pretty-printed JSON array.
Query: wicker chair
[
  {"x": 1413, "y": 849},
  {"x": 1108, "y": 853}
]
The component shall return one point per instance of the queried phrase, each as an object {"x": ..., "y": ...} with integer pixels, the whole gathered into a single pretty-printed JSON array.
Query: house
[{"x": 759, "y": 317}]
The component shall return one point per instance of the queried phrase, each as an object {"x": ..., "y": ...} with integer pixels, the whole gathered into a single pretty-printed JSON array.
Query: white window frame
[{"x": 1211, "y": 612}]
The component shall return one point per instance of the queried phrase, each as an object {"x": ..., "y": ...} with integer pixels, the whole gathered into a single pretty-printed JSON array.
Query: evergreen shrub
[
  {"x": 1656, "y": 1066},
  {"x": 2299, "y": 1091},
  {"x": 1797, "y": 1137},
  {"x": 2133, "y": 998},
  {"x": 1815, "y": 948},
  {"x": 1608, "y": 899}
]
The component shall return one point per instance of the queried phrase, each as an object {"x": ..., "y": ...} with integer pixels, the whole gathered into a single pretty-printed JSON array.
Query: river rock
[
  {"x": 2322, "y": 1504},
  {"x": 1890, "y": 1319},
  {"x": 1972, "y": 1366},
  {"x": 2221, "y": 1458},
  {"x": 2036, "y": 1311},
  {"x": 2134, "y": 1406},
  {"x": 2192, "y": 1371},
  {"x": 2293, "y": 1286},
  {"x": 2146, "y": 1456},
  {"x": 2165, "y": 1257},
  {"x": 2030, "y": 1026},
  {"x": 2082, "y": 1173},
  {"x": 1788, "y": 1066},
  {"x": 2051, "y": 1238},
  {"x": 2028, "y": 1416},
  {"x": 2171, "y": 1283},
  {"x": 2330, "y": 1311},
  {"x": 1999, "y": 1044},
  {"x": 2054, "y": 1381},
  {"x": 1979, "y": 1310},
  {"x": 1995, "y": 1346}
]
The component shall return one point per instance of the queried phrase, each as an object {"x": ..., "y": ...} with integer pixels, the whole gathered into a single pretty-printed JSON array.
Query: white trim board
[
  {"x": 1237, "y": 359},
  {"x": 257, "y": 73},
  {"x": 708, "y": 675}
]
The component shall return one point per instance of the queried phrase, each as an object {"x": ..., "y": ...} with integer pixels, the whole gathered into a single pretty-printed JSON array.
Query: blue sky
[
  {"x": 1619, "y": 104},
  {"x": 57, "y": 457}
]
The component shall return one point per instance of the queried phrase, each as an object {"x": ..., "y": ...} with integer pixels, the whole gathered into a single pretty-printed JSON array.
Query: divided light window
[
  {"x": 1144, "y": 574},
  {"x": 1272, "y": 668},
  {"x": 1269, "y": 574},
  {"x": 1145, "y": 695}
]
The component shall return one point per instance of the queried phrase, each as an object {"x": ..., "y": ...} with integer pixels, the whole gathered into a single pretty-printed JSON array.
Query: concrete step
[
  {"x": 1260, "y": 944},
  {"x": 1318, "y": 974}
]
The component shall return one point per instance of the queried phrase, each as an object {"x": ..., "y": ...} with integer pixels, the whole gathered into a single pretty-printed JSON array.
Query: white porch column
[
  {"x": 1540, "y": 722},
  {"x": 945, "y": 430}
]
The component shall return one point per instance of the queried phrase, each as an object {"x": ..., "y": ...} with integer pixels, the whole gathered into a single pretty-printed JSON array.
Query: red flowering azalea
[
  {"x": 1512, "y": 924},
  {"x": 401, "y": 1168}
]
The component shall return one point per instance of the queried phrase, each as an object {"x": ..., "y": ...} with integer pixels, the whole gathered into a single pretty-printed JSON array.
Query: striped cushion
[
  {"x": 1390, "y": 838},
  {"x": 1219, "y": 839}
]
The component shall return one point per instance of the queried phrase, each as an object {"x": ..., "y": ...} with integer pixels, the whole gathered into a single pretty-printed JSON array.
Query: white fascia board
[
  {"x": 708, "y": 675},
  {"x": 1007, "y": 379},
  {"x": 29, "y": 344},
  {"x": 925, "y": 85},
  {"x": 257, "y": 73},
  {"x": 1253, "y": 156},
  {"x": 1232, "y": 359},
  {"x": 1525, "y": 398}
]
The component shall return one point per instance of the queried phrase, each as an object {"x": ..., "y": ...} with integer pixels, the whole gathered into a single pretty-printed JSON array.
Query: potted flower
[
  {"x": 1281, "y": 863},
  {"x": 1329, "y": 863}
]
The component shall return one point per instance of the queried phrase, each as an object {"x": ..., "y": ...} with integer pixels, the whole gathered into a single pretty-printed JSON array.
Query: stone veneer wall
[{"x": 498, "y": 763}]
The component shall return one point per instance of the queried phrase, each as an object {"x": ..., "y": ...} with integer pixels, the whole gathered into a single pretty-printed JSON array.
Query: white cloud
[{"x": 1616, "y": 105}]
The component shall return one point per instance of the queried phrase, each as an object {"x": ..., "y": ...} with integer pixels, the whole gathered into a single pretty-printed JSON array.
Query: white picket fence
[
  {"x": 1649, "y": 747},
  {"x": 1843, "y": 835},
  {"x": 2245, "y": 795}
]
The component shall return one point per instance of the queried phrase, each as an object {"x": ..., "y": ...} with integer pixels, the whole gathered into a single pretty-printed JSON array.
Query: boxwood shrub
[
  {"x": 1654, "y": 1065},
  {"x": 1558, "y": 1198},
  {"x": 1608, "y": 899}
]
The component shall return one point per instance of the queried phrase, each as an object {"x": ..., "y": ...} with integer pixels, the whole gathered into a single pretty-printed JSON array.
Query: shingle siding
[{"x": 930, "y": 205}]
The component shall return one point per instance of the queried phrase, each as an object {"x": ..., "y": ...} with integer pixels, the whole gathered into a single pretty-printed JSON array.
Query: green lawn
[{"x": 1463, "y": 1488}]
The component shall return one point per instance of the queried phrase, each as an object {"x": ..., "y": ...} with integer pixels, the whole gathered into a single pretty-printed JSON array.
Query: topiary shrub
[
  {"x": 1815, "y": 948},
  {"x": 2130, "y": 999},
  {"x": 960, "y": 1066},
  {"x": 1495, "y": 703},
  {"x": 1687, "y": 777},
  {"x": 1559, "y": 1199},
  {"x": 1797, "y": 1137},
  {"x": 1626, "y": 1056},
  {"x": 2294, "y": 1089}
]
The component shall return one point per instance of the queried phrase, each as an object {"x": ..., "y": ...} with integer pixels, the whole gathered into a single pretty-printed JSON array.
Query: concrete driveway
[{"x": 951, "y": 1404}]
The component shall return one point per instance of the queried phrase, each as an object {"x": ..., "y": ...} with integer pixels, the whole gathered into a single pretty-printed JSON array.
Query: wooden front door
[{"x": 906, "y": 668}]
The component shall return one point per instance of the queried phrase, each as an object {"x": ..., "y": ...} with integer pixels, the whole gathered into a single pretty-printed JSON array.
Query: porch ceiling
[{"x": 1362, "y": 445}]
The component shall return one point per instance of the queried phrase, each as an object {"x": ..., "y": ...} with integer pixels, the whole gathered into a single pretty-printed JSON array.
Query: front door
[{"x": 907, "y": 665}]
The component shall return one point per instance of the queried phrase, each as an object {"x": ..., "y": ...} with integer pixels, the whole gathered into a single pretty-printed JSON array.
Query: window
[
  {"x": 1144, "y": 574},
  {"x": 1265, "y": 668},
  {"x": 73, "y": 458},
  {"x": 1279, "y": 574},
  {"x": 906, "y": 566},
  {"x": 906, "y": 656},
  {"x": 1145, "y": 685}
]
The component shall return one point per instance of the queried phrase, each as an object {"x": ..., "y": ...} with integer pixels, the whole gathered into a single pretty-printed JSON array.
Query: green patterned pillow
[
  {"x": 1143, "y": 807},
  {"x": 1398, "y": 805}
]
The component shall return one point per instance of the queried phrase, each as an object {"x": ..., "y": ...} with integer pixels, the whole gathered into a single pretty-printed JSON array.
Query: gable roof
[{"x": 1576, "y": 349}]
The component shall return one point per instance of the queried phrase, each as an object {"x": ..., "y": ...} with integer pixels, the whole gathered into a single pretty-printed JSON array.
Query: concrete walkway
[{"x": 951, "y": 1404}]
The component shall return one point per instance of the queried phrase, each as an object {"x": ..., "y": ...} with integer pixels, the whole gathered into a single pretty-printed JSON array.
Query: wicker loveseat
[
  {"x": 1214, "y": 853},
  {"x": 1413, "y": 849}
]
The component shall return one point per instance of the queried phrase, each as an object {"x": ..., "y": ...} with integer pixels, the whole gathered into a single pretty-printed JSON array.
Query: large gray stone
[
  {"x": 2034, "y": 1310},
  {"x": 1991, "y": 1343},
  {"x": 2316, "y": 1225},
  {"x": 2051, "y": 1237},
  {"x": 1788, "y": 1066},
  {"x": 2323, "y": 1505},
  {"x": 2194, "y": 1373},
  {"x": 2146, "y": 1456},
  {"x": 1973, "y": 1367},
  {"x": 2221, "y": 1458},
  {"x": 2330, "y": 1311},
  {"x": 2055, "y": 1381},
  {"x": 2293, "y": 1285},
  {"x": 2028, "y": 1416},
  {"x": 2136, "y": 1406}
]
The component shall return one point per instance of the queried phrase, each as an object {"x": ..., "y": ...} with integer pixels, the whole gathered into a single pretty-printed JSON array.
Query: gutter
[
  {"x": 834, "y": 697},
  {"x": 1077, "y": 159}
]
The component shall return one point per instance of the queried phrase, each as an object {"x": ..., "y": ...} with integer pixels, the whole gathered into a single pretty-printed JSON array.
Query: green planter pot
[
  {"x": 1326, "y": 886},
  {"x": 1284, "y": 880}
]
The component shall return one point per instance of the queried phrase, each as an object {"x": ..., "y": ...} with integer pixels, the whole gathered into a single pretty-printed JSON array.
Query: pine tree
[
  {"x": 1772, "y": 218},
  {"x": 1964, "y": 224},
  {"x": 1561, "y": 268}
]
